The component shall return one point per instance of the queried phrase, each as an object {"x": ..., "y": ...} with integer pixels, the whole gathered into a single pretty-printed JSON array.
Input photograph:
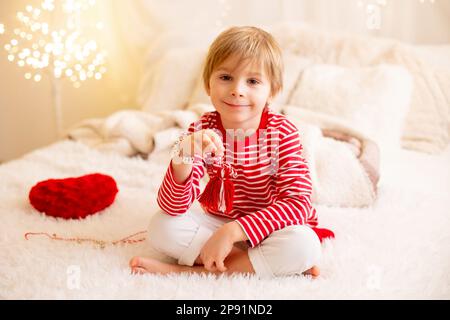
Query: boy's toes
[
  {"x": 138, "y": 270},
  {"x": 314, "y": 272},
  {"x": 134, "y": 262}
]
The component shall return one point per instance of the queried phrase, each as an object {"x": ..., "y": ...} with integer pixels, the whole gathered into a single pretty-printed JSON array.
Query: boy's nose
[{"x": 237, "y": 91}]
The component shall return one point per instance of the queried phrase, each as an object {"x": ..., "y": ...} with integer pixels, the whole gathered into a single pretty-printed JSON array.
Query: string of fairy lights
[{"x": 62, "y": 48}]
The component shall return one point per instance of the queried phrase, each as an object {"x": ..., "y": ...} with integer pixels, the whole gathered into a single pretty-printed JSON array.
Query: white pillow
[
  {"x": 168, "y": 83},
  {"x": 293, "y": 66},
  {"x": 373, "y": 100}
]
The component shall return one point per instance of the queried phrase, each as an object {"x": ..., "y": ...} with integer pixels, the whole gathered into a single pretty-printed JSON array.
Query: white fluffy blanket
[
  {"x": 398, "y": 248},
  {"x": 338, "y": 177}
]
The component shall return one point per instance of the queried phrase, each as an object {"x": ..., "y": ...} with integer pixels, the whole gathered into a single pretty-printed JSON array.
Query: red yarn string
[
  {"x": 101, "y": 243},
  {"x": 218, "y": 194}
]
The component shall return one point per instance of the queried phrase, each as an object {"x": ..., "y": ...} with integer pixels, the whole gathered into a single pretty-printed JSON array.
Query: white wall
[{"x": 26, "y": 115}]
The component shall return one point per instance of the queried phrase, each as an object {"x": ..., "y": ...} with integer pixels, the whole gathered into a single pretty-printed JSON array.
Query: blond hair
[{"x": 247, "y": 43}]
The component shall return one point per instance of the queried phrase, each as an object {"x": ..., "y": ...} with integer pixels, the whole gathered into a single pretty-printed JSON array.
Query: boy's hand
[
  {"x": 216, "y": 249},
  {"x": 202, "y": 142},
  {"x": 219, "y": 246}
]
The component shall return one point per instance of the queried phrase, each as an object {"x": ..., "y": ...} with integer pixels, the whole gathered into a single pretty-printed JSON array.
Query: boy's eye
[
  {"x": 225, "y": 77},
  {"x": 253, "y": 81}
]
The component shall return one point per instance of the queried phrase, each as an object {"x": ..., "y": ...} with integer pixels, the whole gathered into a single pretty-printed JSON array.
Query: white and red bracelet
[{"x": 176, "y": 151}]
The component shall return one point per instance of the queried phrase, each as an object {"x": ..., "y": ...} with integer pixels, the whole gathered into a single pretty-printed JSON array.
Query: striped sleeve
[
  {"x": 176, "y": 198},
  {"x": 292, "y": 204}
]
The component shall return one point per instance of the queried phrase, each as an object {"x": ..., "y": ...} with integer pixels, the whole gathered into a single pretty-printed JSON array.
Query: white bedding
[{"x": 399, "y": 248}]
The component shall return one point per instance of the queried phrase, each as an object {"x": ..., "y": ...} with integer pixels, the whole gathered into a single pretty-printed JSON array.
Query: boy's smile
[
  {"x": 236, "y": 104},
  {"x": 239, "y": 90}
]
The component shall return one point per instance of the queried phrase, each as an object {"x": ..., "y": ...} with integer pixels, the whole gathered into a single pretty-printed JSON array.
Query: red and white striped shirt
[{"x": 272, "y": 184}]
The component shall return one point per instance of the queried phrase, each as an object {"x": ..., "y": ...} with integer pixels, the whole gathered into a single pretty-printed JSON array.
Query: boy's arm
[
  {"x": 181, "y": 184},
  {"x": 175, "y": 197},
  {"x": 235, "y": 231},
  {"x": 181, "y": 171}
]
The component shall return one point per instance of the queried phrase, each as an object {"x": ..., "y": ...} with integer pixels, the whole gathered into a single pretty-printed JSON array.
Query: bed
[{"x": 396, "y": 246}]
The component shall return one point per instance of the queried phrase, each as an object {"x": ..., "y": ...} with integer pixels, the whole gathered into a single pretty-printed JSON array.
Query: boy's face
[{"x": 239, "y": 91}]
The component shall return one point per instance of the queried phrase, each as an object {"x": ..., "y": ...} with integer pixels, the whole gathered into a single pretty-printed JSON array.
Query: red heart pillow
[{"x": 74, "y": 198}]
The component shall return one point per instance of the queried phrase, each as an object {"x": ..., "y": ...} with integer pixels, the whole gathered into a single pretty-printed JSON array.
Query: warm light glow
[
  {"x": 57, "y": 73},
  {"x": 2, "y": 28},
  {"x": 48, "y": 5},
  {"x": 69, "y": 51}
]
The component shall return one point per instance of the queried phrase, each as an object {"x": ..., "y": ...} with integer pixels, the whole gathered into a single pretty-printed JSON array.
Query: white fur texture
[{"x": 399, "y": 248}]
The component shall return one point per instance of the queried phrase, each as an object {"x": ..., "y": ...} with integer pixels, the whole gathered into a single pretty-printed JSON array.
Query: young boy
[{"x": 268, "y": 229}]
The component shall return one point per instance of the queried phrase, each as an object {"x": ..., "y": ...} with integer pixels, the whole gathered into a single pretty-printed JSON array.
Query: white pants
[{"x": 288, "y": 251}]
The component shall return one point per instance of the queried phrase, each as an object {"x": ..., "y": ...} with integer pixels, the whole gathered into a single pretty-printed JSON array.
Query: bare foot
[
  {"x": 141, "y": 265},
  {"x": 138, "y": 270},
  {"x": 314, "y": 272},
  {"x": 198, "y": 261}
]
